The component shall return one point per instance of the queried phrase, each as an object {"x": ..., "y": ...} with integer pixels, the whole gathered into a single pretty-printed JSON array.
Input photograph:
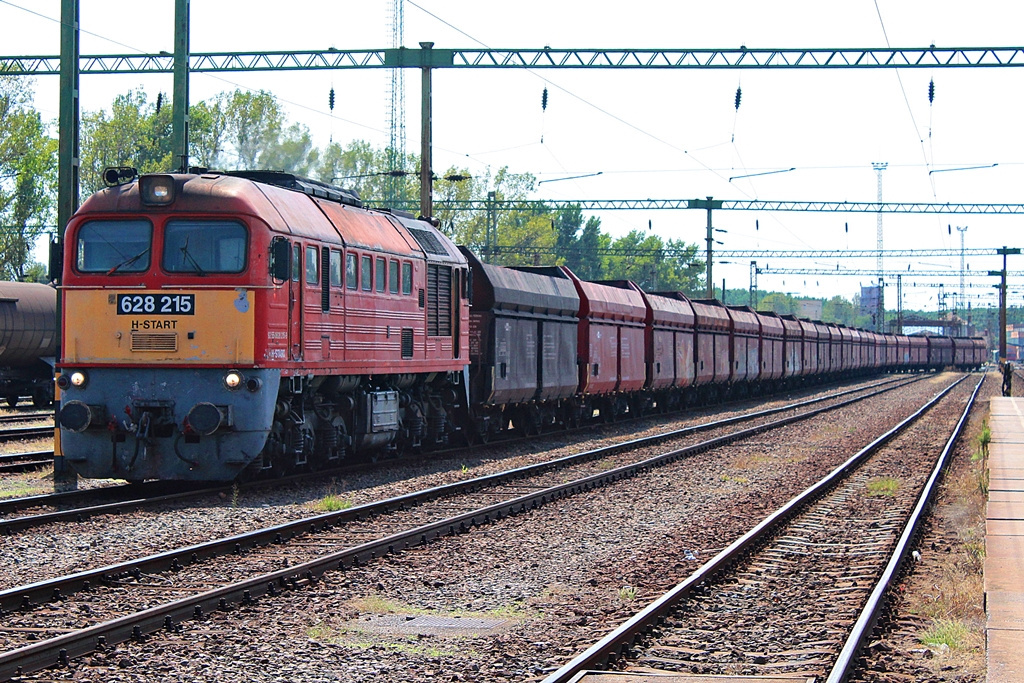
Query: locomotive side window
[
  {"x": 335, "y": 268},
  {"x": 406, "y": 277},
  {"x": 114, "y": 246},
  {"x": 296, "y": 261},
  {"x": 367, "y": 277},
  {"x": 351, "y": 274},
  {"x": 382, "y": 274},
  {"x": 312, "y": 266},
  {"x": 393, "y": 279},
  {"x": 204, "y": 246}
]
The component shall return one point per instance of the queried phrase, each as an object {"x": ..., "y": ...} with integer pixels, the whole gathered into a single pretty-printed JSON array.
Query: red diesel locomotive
[{"x": 213, "y": 321}]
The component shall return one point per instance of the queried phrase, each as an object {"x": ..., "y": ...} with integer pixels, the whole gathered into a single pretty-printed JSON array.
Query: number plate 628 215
[{"x": 156, "y": 304}]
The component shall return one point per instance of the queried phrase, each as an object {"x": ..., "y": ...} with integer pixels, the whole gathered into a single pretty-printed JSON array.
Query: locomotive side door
[{"x": 295, "y": 287}]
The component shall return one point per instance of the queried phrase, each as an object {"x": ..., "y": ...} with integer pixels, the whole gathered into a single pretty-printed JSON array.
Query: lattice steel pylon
[
  {"x": 396, "y": 110},
  {"x": 880, "y": 166},
  {"x": 963, "y": 261}
]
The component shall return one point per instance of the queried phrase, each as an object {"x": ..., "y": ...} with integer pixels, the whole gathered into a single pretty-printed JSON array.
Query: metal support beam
[
  {"x": 731, "y": 205},
  {"x": 179, "y": 116},
  {"x": 1001, "y": 274},
  {"x": 65, "y": 478},
  {"x": 426, "y": 172},
  {"x": 543, "y": 58}
]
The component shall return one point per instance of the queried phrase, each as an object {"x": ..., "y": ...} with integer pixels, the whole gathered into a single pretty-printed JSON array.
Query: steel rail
[
  {"x": 25, "y": 433},
  {"x": 23, "y": 462},
  {"x": 862, "y": 628},
  {"x": 61, "y": 649},
  {"x": 619, "y": 640}
]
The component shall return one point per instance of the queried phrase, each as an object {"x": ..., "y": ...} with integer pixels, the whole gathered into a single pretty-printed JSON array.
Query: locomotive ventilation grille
[
  {"x": 428, "y": 241},
  {"x": 154, "y": 341}
]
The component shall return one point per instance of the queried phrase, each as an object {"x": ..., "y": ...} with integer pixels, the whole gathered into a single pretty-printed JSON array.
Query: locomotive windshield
[
  {"x": 204, "y": 246},
  {"x": 114, "y": 246}
]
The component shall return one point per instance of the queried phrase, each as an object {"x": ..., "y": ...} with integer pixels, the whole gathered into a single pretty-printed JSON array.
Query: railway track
[
  {"x": 799, "y": 594},
  {"x": 24, "y": 462},
  {"x": 76, "y": 506},
  {"x": 32, "y": 416},
  {"x": 227, "y": 572},
  {"x": 19, "y": 433}
]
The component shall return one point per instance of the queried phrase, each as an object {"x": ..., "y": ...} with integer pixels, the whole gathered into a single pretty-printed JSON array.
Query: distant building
[
  {"x": 869, "y": 297},
  {"x": 809, "y": 308}
]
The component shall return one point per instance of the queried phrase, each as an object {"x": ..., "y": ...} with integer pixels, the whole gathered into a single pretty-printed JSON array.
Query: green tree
[
  {"x": 778, "y": 302},
  {"x": 253, "y": 125},
  {"x": 28, "y": 170},
  {"x": 133, "y": 134},
  {"x": 207, "y": 133},
  {"x": 642, "y": 258}
]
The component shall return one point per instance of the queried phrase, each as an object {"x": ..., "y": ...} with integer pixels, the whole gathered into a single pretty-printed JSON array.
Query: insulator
[
  {"x": 159, "y": 101},
  {"x": 931, "y": 91},
  {"x": 739, "y": 95},
  {"x": 757, "y": 225},
  {"x": 330, "y": 99},
  {"x": 544, "y": 100}
]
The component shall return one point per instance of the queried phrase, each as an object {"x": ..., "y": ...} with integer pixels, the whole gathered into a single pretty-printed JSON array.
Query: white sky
[{"x": 652, "y": 134}]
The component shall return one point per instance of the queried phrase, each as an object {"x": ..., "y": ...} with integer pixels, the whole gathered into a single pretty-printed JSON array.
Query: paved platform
[
  {"x": 1004, "y": 543},
  {"x": 664, "y": 677}
]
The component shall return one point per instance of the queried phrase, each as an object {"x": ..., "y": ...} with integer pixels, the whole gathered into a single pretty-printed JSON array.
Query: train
[
  {"x": 28, "y": 342},
  {"x": 219, "y": 325}
]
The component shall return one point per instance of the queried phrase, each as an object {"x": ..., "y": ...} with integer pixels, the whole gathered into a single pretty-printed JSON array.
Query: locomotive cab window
[
  {"x": 114, "y": 247},
  {"x": 201, "y": 246}
]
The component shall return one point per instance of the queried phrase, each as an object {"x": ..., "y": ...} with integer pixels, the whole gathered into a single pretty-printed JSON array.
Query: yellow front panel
[{"x": 153, "y": 326}]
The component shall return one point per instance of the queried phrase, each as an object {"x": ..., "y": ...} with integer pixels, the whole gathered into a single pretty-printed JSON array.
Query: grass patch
[
  {"x": 952, "y": 633},
  {"x": 738, "y": 480},
  {"x": 21, "y": 490},
  {"x": 883, "y": 486},
  {"x": 324, "y": 633},
  {"x": 377, "y": 605},
  {"x": 627, "y": 594},
  {"x": 331, "y": 503},
  {"x": 984, "y": 438}
]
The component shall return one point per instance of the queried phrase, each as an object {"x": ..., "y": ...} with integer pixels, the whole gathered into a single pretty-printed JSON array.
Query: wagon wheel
[{"x": 12, "y": 400}]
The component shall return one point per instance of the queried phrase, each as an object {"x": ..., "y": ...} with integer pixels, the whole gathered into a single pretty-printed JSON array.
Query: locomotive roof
[{"x": 292, "y": 205}]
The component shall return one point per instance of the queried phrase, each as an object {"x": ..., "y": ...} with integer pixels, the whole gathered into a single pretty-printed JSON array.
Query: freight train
[
  {"x": 28, "y": 342},
  {"x": 217, "y": 324}
]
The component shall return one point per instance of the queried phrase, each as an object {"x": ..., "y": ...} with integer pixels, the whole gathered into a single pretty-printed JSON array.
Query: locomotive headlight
[
  {"x": 233, "y": 379},
  {"x": 156, "y": 189},
  {"x": 78, "y": 378}
]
